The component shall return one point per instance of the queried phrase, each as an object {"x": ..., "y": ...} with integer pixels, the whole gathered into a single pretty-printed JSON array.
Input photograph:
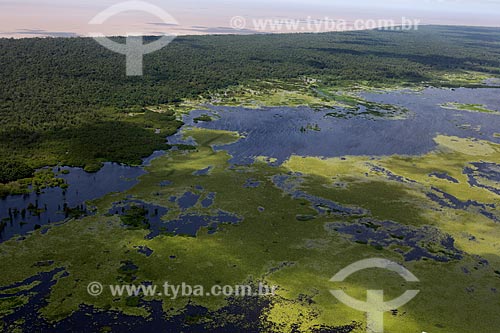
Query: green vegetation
[
  {"x": 68, "y": 101},
  {"x": 203, "y": 117},
  {"x": 310, "y": 127},
  {"x": 302, "y": 92},
  {"x": 135, "y": 218},
  {"x": 116, "y": 136},
  {"x": 62, "y": 106},
  {"x": 265, "y": 93},
  {"x": 124, "y": 136},
  {"x": 40, "y": 180},
  {"x": 9, "y": 305},
  {"x": 13, "y": 170},
  {"x": 357, "y": 106},
  {"x": 468, "y": 107},
  {"x": 287, "y": 244}
]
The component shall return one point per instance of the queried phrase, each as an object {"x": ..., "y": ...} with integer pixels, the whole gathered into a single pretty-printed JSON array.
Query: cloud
[
  {"x": 221, "y": 30},
  {"x": 39, "y": 32},
  {"x": 163, "y": 24}
]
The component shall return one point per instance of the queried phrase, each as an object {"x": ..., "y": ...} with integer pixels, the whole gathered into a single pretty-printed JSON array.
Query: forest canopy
[{"x": 65, "y": 100}]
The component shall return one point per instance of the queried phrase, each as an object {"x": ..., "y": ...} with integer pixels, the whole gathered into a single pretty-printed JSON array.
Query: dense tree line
[
  {"x": 54, "y": 91},
  {"x": 13, "y": 170}
]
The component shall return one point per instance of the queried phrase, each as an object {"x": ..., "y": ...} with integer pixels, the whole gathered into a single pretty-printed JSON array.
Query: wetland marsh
[{"x": 282, "y": 195}]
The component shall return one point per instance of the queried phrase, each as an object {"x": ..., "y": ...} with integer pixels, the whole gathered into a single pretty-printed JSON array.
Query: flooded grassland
[{"x": 286, "y": 196}]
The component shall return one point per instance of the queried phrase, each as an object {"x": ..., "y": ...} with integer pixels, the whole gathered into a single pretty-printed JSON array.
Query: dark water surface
[
  {"x": 51, "y": 202},
  {"x": 279, "y": 133},
  {"x": 276, "y": 132}
]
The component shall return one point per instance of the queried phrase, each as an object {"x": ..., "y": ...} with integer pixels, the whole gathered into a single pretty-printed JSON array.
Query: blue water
[
  {"x": 188, "y": 200},
  {"x": 273, "y": 132},
  {"x": 419, "y": 241},
  {"x": 186, "y": 224},
  {"x": 203, "y": 172},
  {"x": 209, "y": 200},
  {"x": 276, "y": 132},
  {"x": 252, "y": 183},
  {"x": 83, "y": 186},
  {"x": 487, "y": 171},
  {"x": 153, "y": 216},
  {"x": 288, "y": 183},
  {"x": 189, "y": 224}
]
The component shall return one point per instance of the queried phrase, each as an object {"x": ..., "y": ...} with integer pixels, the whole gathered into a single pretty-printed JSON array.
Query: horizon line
[{"x": 236, "y": 32}]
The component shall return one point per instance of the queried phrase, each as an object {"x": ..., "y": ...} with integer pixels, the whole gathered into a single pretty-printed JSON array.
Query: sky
[{"x": 32, "y": 18}]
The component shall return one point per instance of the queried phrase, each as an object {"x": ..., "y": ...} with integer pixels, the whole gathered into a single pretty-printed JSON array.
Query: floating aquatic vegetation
[
  {"x": 447, "y": 200},
  {"x": 443, "y": 175},
  {"x": 29, "y": 296},
  {"x": 203, "y": 117},
  {"x": 203, "y": 172},
  {"x": 209, "y": 200},
  {"x": 252, "y": 183},
  {"x": 278, "y": 229},
  {"x": 165, "y": 183},
  {"x": 350, "y": 105},
  {"x": 57, "y": 204},
  {"x": 178, "y": 139},
  {"x": 468, "y": 107},
  {"x": 484, "y": 175},
  {"x": 136, "y": 214},
  {"x": 275, "y": 132},
  {"x": 389, "y": 175},
  {"x": 145, "y": 250},
  {"x": 291, "y": 183},
  {"x": 189, "y": 224},
  {"x": 411, "y": 242}
]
